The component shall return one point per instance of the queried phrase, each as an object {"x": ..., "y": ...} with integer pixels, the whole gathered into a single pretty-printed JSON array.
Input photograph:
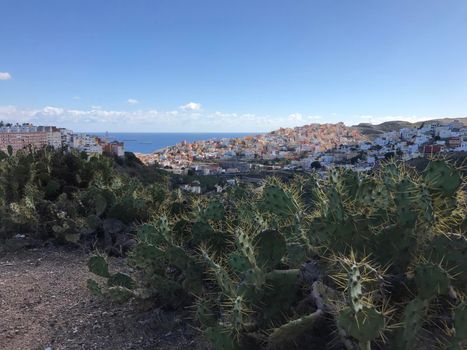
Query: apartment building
[
  {"x": 86, "y": 143},
  {"x": 20, "y": 139},
  {"x": 114, "y": 148}
]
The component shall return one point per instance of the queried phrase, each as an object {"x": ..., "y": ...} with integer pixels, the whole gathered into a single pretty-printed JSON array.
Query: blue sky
[{"x": 218, "y": 65}]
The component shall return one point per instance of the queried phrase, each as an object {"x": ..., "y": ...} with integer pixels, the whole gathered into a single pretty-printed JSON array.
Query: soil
[{"x": 45, "y": 304}]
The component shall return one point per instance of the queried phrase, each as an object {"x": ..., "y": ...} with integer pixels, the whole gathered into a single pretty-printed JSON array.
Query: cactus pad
[
  {"x": 121, "y": 280},
  {"x": 431, "y": 280},
  {"x": 276, "y": 201},
  {"x": 120, "y": 294},
  {"x": 365, "y": 325},
  {"x": 214, "y": 211},
  {"x": 442, "y": 176},
  {"x": 270, "y": 247},
  {"x": 98, "y": 266},
  {"x": 460, "y": 321}
]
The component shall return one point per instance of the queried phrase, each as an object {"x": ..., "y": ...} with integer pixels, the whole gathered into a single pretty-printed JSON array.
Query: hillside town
[
  {"x": 22, "y": 136},
  {"x": 314, "y": 146}
]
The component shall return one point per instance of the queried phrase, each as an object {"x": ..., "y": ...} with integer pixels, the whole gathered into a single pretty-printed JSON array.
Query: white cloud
[
  {"x": 49, "y": 110},
  {"x": 132, "y": 101},
  {"x": 191, "y": 106},
  {"x": 303, "y": 119},
  {"x": 296, "y": 117},
  {"x": 96, "y": 107},
  {"x": 181, "y": 120},
  {"x": 5, "y": 76}
]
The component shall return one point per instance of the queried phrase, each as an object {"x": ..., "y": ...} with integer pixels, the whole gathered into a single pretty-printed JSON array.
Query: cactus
[
  {"x": 460, "y": 326},
  {"x": 394, "y": 246},
  {"x": 203, "y": 233},
  {"x": 119, "y": 294},
  {"x": 365, "y": 325},
  {"x": 414, "y": 315},
  {"x": 119, "y": 285},
  {"x": 292, "y": 330},
  {"x": 238, "y": 315},
  {"x": 431, "y": 280},
  {"x": 204, "y": 314},
  {"x": 405, "y": 200},
  {"x": 220, "y": 274},
  {"x": 147, "y": 257},
  {"x": 296, "y": 254},
  {"x": 277, "y": 201},
  {"x": 372, "y": 194},
  {"x": 359, "y": 318},
  {"x": 349, "y": 183},
  {"x": 335, "y": 209},
  {"x": 94, "y": 287},
  {"x": 245, "y": 246},
  {"x": 442, "y": 177},
  {"x": 270, "y": 248},
  {"x": 120, "y": 279},
  {"x": 451, "y": 251},
  {"x": 98, "y": 266},
  {"x": 214, "y": 211},
  {"x": 238, "y": 263},
  {"x": 245, "y": 260},
  {"x": 355, "y": 289},
  {"x": 280, "y": 292},
  {"x": 321, "y": 231},
  {"x": 390, "y": 175},
  {"x": 221, "y": 339}
]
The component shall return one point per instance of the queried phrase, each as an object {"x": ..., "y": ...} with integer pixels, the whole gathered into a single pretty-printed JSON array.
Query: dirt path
[{"x": 44, "y": 304}]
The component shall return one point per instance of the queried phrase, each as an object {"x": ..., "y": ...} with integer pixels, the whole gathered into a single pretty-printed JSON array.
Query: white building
[
  {"x": 86, "y": 143},
  {"x": 67, "y": 137}
]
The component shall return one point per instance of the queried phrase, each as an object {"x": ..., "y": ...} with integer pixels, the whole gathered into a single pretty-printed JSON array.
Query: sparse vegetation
[{"x": 355, "y": 261}]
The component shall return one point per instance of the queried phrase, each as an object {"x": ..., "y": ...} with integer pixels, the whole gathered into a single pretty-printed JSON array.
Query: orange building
[{"x": 20, "y": 140}]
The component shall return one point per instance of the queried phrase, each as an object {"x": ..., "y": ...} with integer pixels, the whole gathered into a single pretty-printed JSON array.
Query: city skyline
[{"x": 220, "y": 66}]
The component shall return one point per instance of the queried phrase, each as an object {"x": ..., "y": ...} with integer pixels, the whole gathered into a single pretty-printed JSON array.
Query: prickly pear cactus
[
  {"x": 221, "y": 339},
  {"x": 450, "y": 250},
  {"x": 442, "y": 177},
  {"x": 120, "y": 279},
  {"x": 406, "y": 203},
  {"x": 98, "y": 266},
  {"x": 355, "y": 289},
  {"x": 203, "y": 233},
  {"x": 406, "y": 337},
  {"x": 394, "y": 246},
  {"x": 277, "y": 201},
  {"x": 119, "y": 285},
  {"x": 214, "y": 211},
  {"x": 284, "y": 335},
  {"x": 460, "y": 324},
  {"x": 365, "y": 325},
  {"x": 431, "y": 280},
  {"x": 242, "y": 262},
  {"x": 270, "y": 248}
]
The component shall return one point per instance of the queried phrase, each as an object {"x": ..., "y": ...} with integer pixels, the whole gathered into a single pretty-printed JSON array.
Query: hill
[{"x": 373, "y": 130}]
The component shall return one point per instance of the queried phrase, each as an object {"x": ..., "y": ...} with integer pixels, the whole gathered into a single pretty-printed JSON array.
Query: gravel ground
[{"x": 44, "y": 304}]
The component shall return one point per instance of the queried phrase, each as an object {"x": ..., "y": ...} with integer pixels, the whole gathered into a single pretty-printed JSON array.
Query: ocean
[{"x": 150, "y": 142}]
